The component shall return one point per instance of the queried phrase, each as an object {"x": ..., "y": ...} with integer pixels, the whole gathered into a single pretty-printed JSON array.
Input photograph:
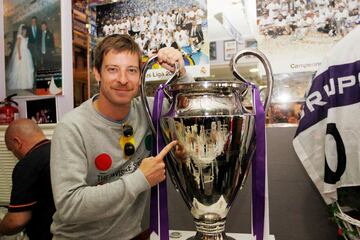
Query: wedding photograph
[{"x": 32, "y": 39}]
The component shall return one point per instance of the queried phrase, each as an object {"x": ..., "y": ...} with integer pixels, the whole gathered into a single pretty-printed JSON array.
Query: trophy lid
[
  {"x": 207, "y": 98},
  {"x": 208, "y": 86}
]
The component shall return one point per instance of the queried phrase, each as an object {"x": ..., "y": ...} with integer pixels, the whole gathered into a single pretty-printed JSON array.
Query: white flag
[{"x": 327, "y": 140}]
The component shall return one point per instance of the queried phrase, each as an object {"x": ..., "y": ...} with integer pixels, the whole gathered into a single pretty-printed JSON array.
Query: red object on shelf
[{"x": 8, "y": 112}]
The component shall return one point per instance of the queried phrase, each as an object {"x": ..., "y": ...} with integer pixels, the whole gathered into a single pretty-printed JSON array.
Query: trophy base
[{"x": 220, "y": 236}]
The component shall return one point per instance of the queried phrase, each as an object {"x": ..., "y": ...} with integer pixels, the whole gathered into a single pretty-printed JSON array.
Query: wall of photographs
[
  {"x": 295, "y": 36},
  {"x": 220, "y": 30}
]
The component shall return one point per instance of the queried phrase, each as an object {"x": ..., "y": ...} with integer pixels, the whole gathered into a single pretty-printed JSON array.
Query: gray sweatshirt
[{"x": 98, "y": 193}]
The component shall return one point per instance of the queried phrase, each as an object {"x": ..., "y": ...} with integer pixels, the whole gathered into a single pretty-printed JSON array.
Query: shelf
[{"x": 184, "y": 235}]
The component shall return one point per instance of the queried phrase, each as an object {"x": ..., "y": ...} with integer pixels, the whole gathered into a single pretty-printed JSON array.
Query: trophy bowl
[{"x": 216, "y": 142}]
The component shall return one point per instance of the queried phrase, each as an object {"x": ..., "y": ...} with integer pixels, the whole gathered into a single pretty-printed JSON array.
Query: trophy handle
[
  {"x": 143, "y": 89},
  {"x": 146, "y": 107},
  {"x": 269, "y": 76}
]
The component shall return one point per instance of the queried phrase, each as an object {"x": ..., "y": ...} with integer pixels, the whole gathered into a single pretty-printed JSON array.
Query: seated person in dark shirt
[{"x": 31, "y": 204}]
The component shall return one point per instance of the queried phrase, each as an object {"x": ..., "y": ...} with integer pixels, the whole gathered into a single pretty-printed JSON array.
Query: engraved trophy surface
[{"x": 216, "y": 142}]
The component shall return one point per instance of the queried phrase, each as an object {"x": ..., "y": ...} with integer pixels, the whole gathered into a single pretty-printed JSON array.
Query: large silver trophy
[{"x": 216, "y": 142}]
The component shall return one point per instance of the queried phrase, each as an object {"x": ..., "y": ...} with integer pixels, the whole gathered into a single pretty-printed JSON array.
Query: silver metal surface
[
  {"x": 144, "y": 101},
  {"x": 209, "y": 165},
  {"x": 216, "y": 142},
  {"x": 268, "y": 71}
]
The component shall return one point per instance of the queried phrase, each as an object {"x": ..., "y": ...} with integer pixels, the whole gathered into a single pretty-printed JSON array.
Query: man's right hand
[{"x": 153, "y": 168}]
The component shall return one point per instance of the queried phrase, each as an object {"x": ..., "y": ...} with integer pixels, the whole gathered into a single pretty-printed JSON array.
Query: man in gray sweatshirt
[{"x": 100, "y": 166}]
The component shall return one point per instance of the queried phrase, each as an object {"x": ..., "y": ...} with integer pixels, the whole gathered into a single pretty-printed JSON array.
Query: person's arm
[
  {"x": 14, "y": 222},
  {"x": 168, "y": 56},
  {"x": 76, "y": 201},
  {"x": 24, "y": 196}
]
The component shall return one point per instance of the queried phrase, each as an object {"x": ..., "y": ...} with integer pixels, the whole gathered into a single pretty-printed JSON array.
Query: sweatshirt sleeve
[{"x": 77, "y": 202}]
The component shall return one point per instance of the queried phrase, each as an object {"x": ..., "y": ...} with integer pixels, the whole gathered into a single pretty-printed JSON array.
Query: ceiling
[{"x": 239, "y": 13}]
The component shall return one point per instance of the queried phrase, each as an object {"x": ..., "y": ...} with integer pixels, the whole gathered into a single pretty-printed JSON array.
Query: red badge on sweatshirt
[{"x": 103, "y": 162}]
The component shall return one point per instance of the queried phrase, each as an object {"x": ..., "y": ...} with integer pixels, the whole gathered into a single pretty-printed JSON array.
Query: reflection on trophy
[
  {"x": 204, "y": 148},
  {"x": 216, "y": 142}
]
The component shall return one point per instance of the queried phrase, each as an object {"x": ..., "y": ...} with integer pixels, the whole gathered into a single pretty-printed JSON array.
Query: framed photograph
[
  {"x": 292, "y": 46},
  {"x": 33, "y": 47},
  {"x": 139, "y": 20},
  {"x": 212, "y": 50},
  {"x": 42, "y": 110},
  {"x": 251, "y": 43},
  {"x": 229, "y": 49}
]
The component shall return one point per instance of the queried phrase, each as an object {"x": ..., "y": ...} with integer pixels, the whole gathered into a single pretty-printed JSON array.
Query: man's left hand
[{"x": 168, "y": 56}]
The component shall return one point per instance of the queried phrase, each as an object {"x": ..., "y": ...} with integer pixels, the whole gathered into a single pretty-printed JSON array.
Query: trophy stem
[{"x": 210, "y": 231}]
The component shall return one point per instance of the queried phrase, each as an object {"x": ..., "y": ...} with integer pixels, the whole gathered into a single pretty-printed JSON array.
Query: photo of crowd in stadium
[
  {"x": 158, "y": 23},
  {"x": 291, "y": 26}
]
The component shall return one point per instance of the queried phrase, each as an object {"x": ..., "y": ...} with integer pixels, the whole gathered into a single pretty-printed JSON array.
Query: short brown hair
[{"x": 118, "y": 43}]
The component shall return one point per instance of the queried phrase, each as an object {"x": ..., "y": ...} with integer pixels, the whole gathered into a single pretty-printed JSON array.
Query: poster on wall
[
  {"x": 32, "y": 39},
  {"x": 296, "y": 35},
  {"x": 154, "y": 24}
]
